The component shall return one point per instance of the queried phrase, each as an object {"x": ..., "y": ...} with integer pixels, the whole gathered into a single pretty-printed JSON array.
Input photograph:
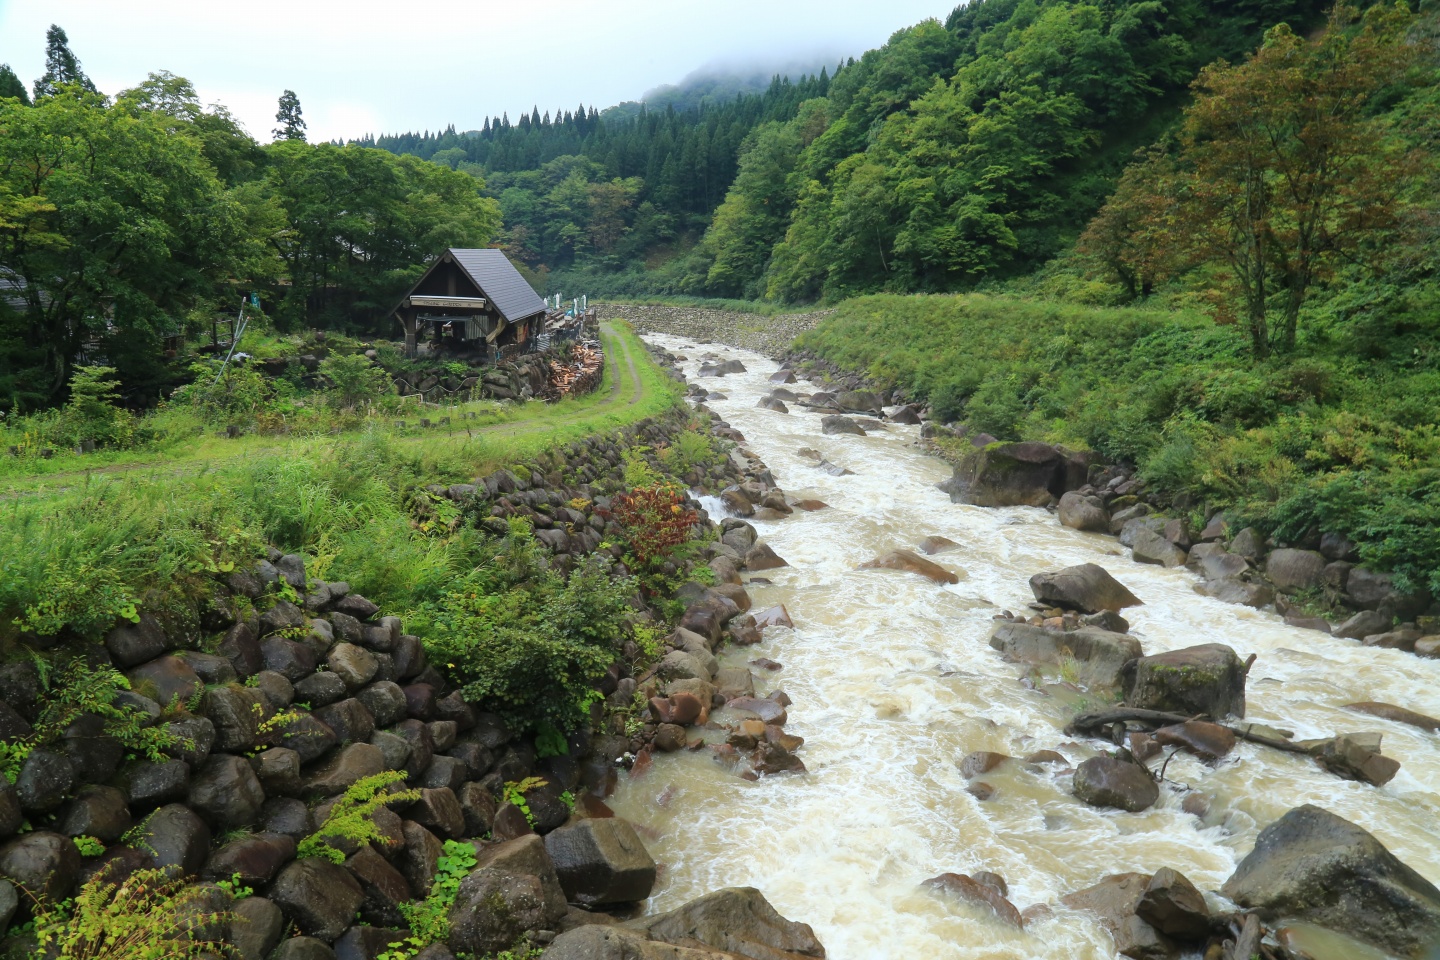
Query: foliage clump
[
  {"x": 352, "y": 818},
  {"x": 526, "y": 640}
]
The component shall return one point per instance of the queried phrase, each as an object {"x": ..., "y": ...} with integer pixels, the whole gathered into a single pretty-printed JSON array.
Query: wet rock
[
  {"x": 97, "y": 811},
  {"x": 1087, "y": 587},
  {"x": 776, "y": 616},
  {"x": 1402, "y": 638},
  {"x": 936, "y": 544},
  {"x": 1314, "y": 866},
  {"x": 735, "y": 920},
  {"x": 669, "y": 738},
  {"x": 383, "y": 886},
  {"x": 1009, "y": 475},
  {"x": 1295, "y": 570},
  {"x": 130, "y": 645},
  {"x": 227, "y": 792},
  {"x": 837, "y": 424},
  {"x": 1388, "y": 711},
  {"x": 1307, "y": 623},
  {"x": 908, "y": 562},
  {"x": 308, "y": 737},
  {"x": 1222, "y": 565},
  {"x": 303, "y": 948},
  {"x": 1111, "y": 782},
  {"x": 1172, "y": 905},
  {"x": 291, "y": 659},
  {"x": 981, "y": 762},
  {"x": 209, "y": 667},
  {"x": 1361, "y": 625},
  {"x": 1351, "y": 760},
  {"x": 354, "y": 665},
  {"x": 196, "y": 738},
  {"x": 601, "y": 861},
  {"x": 970, "y": 890},
  {"x": 1080, "y": 512},
  {"x": 320, "y": 689},
  {"x": 350, "y": 720},
  {"x": 1114, "y": 901},
  {"x": 256, "y": 928},
  {"x": 762, "y": 557},
  {"x": 170, "y": 678},
  {"x": 46, "y": 778},
  {"x": 1152, "y": 547},
  {"x": 1248, "y": 543},
  {"x": 765, "y": 710},
  {"x": 148, "y": 784},
  {"x": 1205, "y": 680},
  {"x": 513, "y": 888},
  {"x": 320, "y": 897},
  {"x": 1099, "y": 655},
  {"x": 175, "y": 836},
  {"x": 352, "y": 763},
  {"x": 286, "y": 816},
  {"x": 1241, "y": 592},
  {"x": 477, "y": 805},
  {"x": 439, "y": 811},
  {"x": 1208, "y": 741},
  {"x": 44, "y": 863},
  {"x": 257, "y": 858},
  {"x": 1428, "y": 648}
]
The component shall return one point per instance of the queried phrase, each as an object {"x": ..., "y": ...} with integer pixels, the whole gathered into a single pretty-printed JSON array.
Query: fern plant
[
  {"x": 150, "y": 915},
  {"x": 353, "y": 816}
]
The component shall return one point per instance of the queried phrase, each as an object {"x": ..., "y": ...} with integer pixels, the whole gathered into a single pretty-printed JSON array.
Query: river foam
[{"x": 893, "y": 683}]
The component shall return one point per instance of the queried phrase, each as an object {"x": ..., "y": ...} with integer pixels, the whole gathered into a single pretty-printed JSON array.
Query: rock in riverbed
[
  {"x": 1087, "y": 587},
  {"x": 1312, "y": 865},
  {"x": 909, "y": 562}
]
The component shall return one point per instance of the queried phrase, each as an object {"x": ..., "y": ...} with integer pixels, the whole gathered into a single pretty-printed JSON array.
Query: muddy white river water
[{"x": 894, "y": 683}]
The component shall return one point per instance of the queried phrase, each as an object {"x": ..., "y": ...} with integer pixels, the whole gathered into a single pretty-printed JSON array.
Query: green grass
[
  {"x": 1340, "y": 437},
  {"x": 80, "y": 547}
]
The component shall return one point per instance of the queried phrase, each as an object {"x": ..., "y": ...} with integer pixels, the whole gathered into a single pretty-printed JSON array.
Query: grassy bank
[
  {"x": 1340, "y": 436},
  {"x": 79, "y": 548}
]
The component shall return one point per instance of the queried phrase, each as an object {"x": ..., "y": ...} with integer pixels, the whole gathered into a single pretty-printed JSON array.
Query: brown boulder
[
  {"x": 1172, "y": 905},
  {"x": 970, "y": 890},
  {"x": 1208, "y": 741},
  {"x": 1112, "y": 782},
  {"x": 1388, "y": 711},
  {"x": 909, "y": 562},
  {"x": 1205, "y": 680},
  {"x": 1087, "y": 587}
]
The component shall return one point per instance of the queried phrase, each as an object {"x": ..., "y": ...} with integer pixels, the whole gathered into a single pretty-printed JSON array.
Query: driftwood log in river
[{"x": 1092, "y": 723}]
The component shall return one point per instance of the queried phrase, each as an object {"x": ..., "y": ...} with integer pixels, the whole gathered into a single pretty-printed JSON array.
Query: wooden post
[{"x": 410, "y": 321}]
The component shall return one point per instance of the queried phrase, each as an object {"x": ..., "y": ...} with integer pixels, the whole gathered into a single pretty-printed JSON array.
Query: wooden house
[{"x": 472, "y": 301}]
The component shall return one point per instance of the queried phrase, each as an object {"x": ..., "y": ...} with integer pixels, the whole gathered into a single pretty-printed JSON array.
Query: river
[{"x": 893, "y": 683}]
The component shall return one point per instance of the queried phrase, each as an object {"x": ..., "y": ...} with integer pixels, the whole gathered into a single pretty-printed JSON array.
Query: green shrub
[
  {"x": 149, "y": 915},
  {"x": 525, "y": 641},
  {"x": 352, "y": 817},
  {"x": 354, "y": 379}
]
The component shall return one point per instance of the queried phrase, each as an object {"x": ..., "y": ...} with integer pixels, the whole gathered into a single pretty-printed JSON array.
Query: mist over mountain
[{"x": 721, "y": 81}]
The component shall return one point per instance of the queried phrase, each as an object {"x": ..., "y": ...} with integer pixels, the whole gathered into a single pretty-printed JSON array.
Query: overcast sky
[{"x": 368, "y": 67}]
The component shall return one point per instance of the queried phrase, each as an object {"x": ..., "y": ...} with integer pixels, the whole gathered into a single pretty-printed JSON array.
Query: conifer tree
[
  {"x": 10, "y": 85},
  {"x": 292, "y": 124},
  {"x": 61, "y": 66}
]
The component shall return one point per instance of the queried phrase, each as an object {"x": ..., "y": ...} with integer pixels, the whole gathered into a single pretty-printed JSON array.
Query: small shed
[{"x": 472, "y": 300}]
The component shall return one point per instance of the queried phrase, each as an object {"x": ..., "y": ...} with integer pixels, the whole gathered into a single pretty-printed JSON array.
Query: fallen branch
[{"x": 1089, "y": 723}]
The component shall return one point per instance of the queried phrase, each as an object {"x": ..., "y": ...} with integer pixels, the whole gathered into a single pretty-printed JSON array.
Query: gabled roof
[{"x": 497, "y": 278}]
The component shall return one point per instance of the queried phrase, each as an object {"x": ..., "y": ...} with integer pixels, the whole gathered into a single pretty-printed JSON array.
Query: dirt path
[{"x": 615, "y": 346}]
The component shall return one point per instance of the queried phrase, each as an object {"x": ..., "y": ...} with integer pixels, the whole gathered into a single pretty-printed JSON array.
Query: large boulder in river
[
  {"x": 1099, "y": 655},
  {"x": 1313, "y": 866},
  {"x": 601, "y": 862},
  {"x": 1114, "y": 901},
  {"x": 1087, "y": 587},
  {"x": 737, "y": 921},
  {"x": 1208, "y": 679},
  {"x": 835, "y": 423},
  {"x": 1026, "y": 474},
  {"x": 1292, "y": 570},
  {"x": 1150, "y": 546},
  {"x": 1112, "y": 782},
  {"x": 513, "y": 888},
  {"x": 909, "y": 562},
  {"x": 1079, "y": 512},
  {"x": 859, "y": 401}
]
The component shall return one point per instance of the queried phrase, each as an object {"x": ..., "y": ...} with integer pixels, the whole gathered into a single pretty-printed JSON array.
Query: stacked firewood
[{"x": 577, "y": 372}]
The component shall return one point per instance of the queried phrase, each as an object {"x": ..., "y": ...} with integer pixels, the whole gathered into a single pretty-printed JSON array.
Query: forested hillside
[{"x": 955, "y": 154}]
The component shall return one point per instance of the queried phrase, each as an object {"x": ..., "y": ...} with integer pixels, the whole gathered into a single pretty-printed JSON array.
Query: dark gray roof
[{"x": 498, "y": 279}]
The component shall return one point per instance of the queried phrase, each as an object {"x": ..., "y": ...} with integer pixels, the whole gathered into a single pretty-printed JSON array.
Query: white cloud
[{"x": 370, "y": 66}]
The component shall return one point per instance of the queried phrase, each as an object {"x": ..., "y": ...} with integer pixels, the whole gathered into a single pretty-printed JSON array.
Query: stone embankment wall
[
  {"x": 284, "y": 691},
  {"x": 750, "y": 331}
]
